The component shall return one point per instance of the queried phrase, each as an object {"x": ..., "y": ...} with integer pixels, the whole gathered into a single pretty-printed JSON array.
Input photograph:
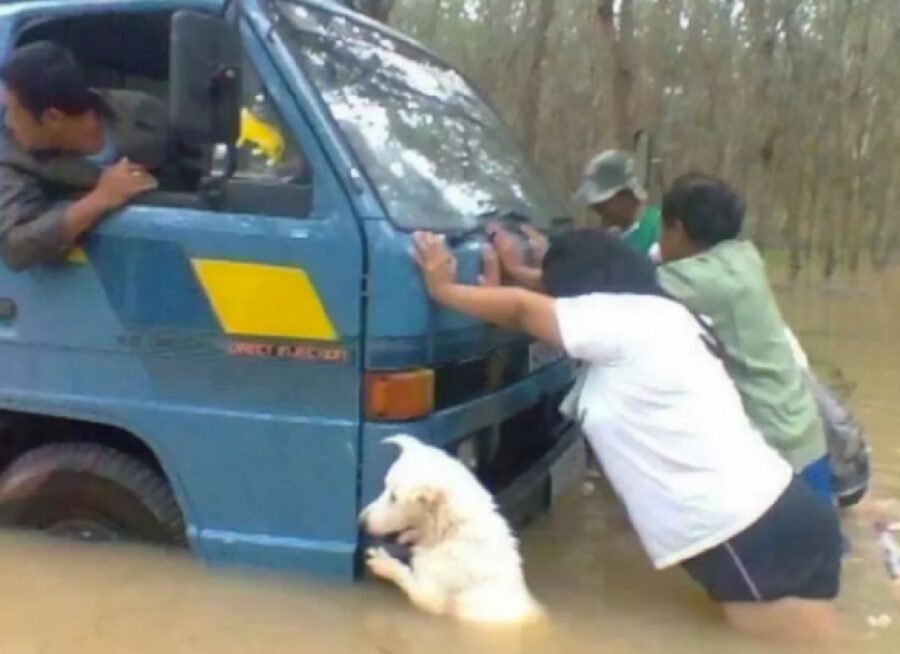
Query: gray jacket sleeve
[{"x": 31, "y": 226}]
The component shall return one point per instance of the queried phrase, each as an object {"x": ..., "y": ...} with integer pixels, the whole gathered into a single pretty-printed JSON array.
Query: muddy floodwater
[{"x": 583, "y": 562}]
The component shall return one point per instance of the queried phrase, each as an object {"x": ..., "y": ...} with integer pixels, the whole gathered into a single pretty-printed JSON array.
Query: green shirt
[
  {"x": 728, "y": 285},
  {"x": 644, "y": 234}
]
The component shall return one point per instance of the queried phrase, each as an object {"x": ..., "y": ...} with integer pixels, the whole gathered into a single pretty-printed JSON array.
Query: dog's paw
[{"x": 381, "y": 564}]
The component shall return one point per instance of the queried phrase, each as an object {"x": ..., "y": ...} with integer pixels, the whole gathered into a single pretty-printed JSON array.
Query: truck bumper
[{"x": 555, "y": 473}]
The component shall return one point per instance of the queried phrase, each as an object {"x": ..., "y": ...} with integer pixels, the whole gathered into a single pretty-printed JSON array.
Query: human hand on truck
[{"x": 435, "y": 260}]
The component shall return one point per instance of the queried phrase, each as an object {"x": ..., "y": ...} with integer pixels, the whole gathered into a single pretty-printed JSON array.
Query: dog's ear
[
  {"x": 434, "y": 504},
  {"x": 403, "y": 441},
  {"x": 428, "y": 496}
]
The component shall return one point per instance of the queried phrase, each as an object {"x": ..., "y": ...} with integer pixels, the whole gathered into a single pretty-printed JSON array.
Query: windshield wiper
[
  {"x": 503, "y": 215},
  {"x": 463, "y": 235},
  {"x": 511, "y": 215}
]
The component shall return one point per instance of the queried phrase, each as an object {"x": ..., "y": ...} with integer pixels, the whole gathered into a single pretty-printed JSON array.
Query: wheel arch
[{"x": 22, "y": 432}]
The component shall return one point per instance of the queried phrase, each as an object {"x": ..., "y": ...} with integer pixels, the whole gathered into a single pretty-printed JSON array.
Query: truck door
[
  {"x": 275, "y": 459},
  {"x": 226, "y": 337}
]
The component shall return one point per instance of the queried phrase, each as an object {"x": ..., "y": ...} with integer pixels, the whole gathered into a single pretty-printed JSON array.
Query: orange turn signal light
[{"x": 399, "y": 395}]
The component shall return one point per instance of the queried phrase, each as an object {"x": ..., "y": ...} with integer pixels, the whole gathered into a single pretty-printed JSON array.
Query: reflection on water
[{"x": 583, "y": 562}]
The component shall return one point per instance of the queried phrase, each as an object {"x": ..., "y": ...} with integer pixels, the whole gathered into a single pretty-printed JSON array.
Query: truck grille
[
  {"x": 459, "y": 382},
  {"x": 506, "y": 451}
]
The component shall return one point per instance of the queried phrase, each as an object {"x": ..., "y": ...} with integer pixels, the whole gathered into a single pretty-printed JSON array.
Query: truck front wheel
[{"x": 89, "y": 492}]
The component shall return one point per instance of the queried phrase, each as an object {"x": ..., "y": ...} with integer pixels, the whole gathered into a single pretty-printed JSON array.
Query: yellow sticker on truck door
[{"x": 252, "y": 299}]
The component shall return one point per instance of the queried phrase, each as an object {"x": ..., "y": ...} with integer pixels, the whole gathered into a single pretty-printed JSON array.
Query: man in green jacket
[
  {"x": 723, "y": 279},
  {"x": 70, "y": 155}
]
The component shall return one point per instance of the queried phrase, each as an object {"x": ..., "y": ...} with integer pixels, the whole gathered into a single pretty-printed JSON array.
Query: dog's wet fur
[{"x": 464, "y": 561}]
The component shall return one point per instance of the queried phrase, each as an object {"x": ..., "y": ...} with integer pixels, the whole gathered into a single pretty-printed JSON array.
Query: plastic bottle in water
[{"x": 890, "y": 550}]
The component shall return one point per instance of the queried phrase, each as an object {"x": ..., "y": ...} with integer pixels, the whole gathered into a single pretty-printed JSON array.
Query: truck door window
[
  {"x": 130, "y": 51},
  {"x": 266, "y": 148}
]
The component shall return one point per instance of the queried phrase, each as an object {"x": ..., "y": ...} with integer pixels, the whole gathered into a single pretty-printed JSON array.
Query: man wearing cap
[{"x": 610, "y": 188}]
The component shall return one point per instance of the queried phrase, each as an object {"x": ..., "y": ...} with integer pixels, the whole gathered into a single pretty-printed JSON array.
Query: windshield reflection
[{"x": 439, "y": 157}]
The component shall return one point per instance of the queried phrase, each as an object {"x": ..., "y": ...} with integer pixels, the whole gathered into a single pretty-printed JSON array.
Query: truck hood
[{"x": 405, "y": 328}]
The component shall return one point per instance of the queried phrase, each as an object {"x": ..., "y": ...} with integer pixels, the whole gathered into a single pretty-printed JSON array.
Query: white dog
[{"x": 465, "y": 561}]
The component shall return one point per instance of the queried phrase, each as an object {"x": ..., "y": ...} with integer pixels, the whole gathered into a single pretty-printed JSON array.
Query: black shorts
[{"x": 793, "y": 550}]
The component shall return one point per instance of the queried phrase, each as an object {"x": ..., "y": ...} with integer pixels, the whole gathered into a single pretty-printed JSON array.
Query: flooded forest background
[{"x": 793, "y": 101}]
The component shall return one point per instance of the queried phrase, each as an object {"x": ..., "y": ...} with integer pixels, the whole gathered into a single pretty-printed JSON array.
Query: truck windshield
[{"x": 438, "y": 155}]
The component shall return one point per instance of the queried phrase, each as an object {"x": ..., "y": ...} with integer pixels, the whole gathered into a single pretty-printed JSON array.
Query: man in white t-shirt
[
  {"x": 700, "y": 485},
  {"x": 673, "y": 437}
]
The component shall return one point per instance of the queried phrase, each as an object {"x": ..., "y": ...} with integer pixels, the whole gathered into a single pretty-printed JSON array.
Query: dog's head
[{"x": 419, "y": 491}]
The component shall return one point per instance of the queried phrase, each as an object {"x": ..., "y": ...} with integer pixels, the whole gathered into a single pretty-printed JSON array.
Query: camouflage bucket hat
[{"x": 605, "y": 175}]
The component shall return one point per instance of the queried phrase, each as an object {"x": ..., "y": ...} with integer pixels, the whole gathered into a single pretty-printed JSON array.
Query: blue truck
[{"x": 217, "y": 368}]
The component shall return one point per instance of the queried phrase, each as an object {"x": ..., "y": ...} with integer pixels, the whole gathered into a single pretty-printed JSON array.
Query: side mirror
[{"x": 205, "y": 77}]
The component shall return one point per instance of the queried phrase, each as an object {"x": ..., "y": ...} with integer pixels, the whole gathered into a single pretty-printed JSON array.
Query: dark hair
[
  {"x": 588, "y": 261},
  {"x": 44, "y": 76},
  {"x": 710, "y": 210}
]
